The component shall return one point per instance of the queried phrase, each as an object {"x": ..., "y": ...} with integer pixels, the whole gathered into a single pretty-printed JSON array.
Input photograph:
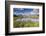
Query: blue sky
[{"x": 18, "y": 11}]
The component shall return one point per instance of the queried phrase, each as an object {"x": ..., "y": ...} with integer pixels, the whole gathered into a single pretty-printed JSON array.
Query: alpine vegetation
[{"x": 25, "y": 17}]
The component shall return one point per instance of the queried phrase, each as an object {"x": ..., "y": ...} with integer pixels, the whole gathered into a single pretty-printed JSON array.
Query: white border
[{"x": 26, "y": 28}]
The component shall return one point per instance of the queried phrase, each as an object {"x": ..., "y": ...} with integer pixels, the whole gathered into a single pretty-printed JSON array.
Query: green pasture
[{"x": 18, "y": 24}]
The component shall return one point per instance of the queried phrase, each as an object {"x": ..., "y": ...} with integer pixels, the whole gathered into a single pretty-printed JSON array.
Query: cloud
[{"x": 34, "y": 12}]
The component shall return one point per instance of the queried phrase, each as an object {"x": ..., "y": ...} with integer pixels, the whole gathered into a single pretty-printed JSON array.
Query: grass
[
  {"x": 24, "y": 24},
  {"x": 34, "y": 17}
]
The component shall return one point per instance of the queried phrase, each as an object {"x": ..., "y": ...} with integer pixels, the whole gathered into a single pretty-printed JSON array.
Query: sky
[
  {"x": 19, "y": 11},
  {"x": 25, "y": 11}
]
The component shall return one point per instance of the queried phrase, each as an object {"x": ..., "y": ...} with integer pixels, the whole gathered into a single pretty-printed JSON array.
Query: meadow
[{"x": 18, "y": 24}]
